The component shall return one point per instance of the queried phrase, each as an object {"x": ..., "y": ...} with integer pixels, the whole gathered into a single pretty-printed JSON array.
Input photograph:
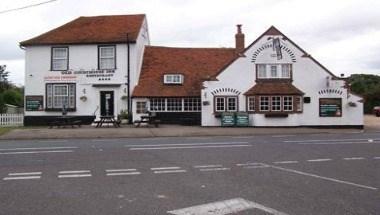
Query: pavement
[
  {"x": 372, "y": 124},
  {"x": 292, "y": 174}
]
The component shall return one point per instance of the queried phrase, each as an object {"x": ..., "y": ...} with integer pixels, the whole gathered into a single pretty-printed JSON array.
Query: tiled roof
[
  {"x": 273, "y": 88},
  {"x": 96, "y": 29},
  {"x": 196, "y": 64}
]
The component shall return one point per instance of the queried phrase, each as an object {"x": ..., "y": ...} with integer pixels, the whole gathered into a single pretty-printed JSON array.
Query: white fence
[{"x": 11, "y": 120}]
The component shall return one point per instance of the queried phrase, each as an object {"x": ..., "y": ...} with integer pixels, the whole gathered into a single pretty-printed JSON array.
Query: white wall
[
  {"x": 84, "y": 57},
  {"x": 308, "y": 76}
]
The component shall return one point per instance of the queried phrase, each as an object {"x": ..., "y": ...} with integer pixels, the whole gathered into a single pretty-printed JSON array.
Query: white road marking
[
  {"x": 165, "y": 168},
  {"x": 198, "y": 138},
  {"x": 24, "y": 173},
  {"x": 285, "y": 162},
  {"x": 52, "y": 141},
  {"x": 22, "y": 177},
  {"x": 242, "y": 137},
  {"x": 335, "y": 143},
  {"x": 123, "y": 173},
  {"x": 230, "y": 206},
  {"x": 120, "y": 170},
  {"x": 40, "y": 148},
  {"x": 354, "y": 158},
  {"x": 169, "y": 171},
  {"x": 74, "y": 171},
  {"x": 188, "y": 147},
  {"x": 323, "y": 177},
  {"x": 285, "y": 135},
  {"x": 329, "y": 140},
  {"x": 74, "y": 176},
  {"x": 254, "y": 167},
  {"x": 376, "y": 157},
  {"x": 214, "y": 169},
  {"x": 320, "y": 160},
  {"x": 185, "y": 144},
  {"x": 208, "y": 166},
  {"x": 35, "y": 152},
  {"x": 247, "y": 164}
]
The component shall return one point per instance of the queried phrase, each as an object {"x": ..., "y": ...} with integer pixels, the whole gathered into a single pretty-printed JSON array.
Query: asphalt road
[{"x": 284, "y": 174}]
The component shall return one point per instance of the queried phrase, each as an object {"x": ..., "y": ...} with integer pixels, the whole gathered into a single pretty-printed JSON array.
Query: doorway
[{"x": 106, "y": 103}]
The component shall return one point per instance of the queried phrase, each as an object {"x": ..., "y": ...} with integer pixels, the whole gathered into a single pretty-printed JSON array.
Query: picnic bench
[
  {"x": 149, "y": 120},
  {"x": 109, "y": 119}
]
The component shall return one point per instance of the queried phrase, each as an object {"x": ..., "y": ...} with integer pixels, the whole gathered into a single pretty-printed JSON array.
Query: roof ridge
[
  {"x": 137, "y": 14},
  {"x": 171, "y": 47}
]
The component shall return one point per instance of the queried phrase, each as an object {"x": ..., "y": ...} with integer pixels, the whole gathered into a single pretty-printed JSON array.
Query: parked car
[{"x": 376, "y": 111}]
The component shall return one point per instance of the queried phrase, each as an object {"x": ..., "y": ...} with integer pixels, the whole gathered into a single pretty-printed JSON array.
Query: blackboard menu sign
[
  {"x": 228, "y": 119},
  {"x": 242, "y": 119},
  {"x": 330, "y": 107},
  {"x": 34, "y": 103}
]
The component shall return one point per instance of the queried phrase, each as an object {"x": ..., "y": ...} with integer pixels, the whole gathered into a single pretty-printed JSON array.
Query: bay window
[
  {"x": 251, "y": 103},
  {"x": 264, "y": 103},
  {"x": 276, "y": 103},
  {"x": 288, "y": 103}
]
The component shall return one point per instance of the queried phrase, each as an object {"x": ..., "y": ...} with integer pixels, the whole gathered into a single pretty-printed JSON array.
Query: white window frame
[
  {"x": 141, "y": 107},
  {"x": 286, "y": 68},
  {"x": 63, "y": 58},
  {"x": 101, "y": 57},
  {"x": 251, "y": 103},
  {"x": 299, "y": 104},
  {"x": 173, "y": 79},
  {"x": 216, "y": 103},
  {"x": 235, "y": 104},
  {"x": 276, "y": 105},
  {"x": 287, "y": 107},
  {"x": 261, "y": 103},
  {"x": 262, "y": 71},
  {"x": 192, "y": 104},
  {"x": 275, "y": 70},
  {"x": 69, "y": 96}
]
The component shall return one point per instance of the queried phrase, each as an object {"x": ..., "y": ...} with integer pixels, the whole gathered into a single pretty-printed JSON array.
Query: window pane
[
  {"x": 273, "y": 71},
  {"x": 59, "y": 53},
  {"x": 276, "y": 103},
  {"x": 174, "y": 104},
  {"x": 264, "y": 103},
  {"x": 107, "y": 57},
  {"x": 140, "y": 107},
  {"x": 288, "y": 103},
  {"x": 220, "y": 104},
  {"x": 59, "y": 58},
  {"x": 192, "y": 104},
  {"x": 107, "y": 52},
  {"x": 157, "y": 104},
  {"x": 232, "y": 104},
  {"x": 251, "y": 103},
  {"x": 285, "y": 71},
  {"x": 299, "y": 103},
  {"x": 262, "y": 73},
  {"x": 107, "y": 63}
]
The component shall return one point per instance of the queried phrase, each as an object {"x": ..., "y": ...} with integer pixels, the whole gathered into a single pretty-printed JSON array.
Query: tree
[
  {"x": 368, "y": 86},
  {"x": 4, "y": 83}
]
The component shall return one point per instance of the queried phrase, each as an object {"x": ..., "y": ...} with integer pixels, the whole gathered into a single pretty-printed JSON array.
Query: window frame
[
  {"x": 172, "y": 76},
  {"x": 249, "y": 106},
  {"x": 99, "y": 56},
  {"x": 52, "y": 58},
  {"x": 279, "y": 71},
  {"x": 260, "y": 105},
  {"x": 291, "y": 105},
  {"x": 272, "y": 105},
  {"x": 226, "y": 103},
  {"x": 52, "y": 107},
  {"x": 141, "y": 109}
]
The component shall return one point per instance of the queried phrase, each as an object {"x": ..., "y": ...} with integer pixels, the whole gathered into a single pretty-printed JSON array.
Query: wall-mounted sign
[
  {"x": 102, "y": 75},
  {"x": 330, "y": 107},
  {"x": 34, "y": 103}
]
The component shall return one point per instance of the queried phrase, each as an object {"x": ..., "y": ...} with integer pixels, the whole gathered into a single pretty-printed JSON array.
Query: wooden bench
[{"x": 155, "y": 122}]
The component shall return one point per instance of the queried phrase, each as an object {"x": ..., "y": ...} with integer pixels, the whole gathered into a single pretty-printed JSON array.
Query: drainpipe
[{"x": 130, "y": 119}]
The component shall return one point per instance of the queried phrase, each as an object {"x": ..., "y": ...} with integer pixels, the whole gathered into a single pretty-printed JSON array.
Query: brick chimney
[{"x": 239, "y": 40}]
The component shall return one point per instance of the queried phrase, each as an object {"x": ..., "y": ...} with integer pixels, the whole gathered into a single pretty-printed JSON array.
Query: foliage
[
  {"x": 9, "y": 93},
  {"x": 123, "y": 114},
  {"x": 368, "y": 86}
]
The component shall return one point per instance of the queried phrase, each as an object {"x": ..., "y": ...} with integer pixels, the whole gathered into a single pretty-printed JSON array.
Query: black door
[{"x": 106, "y": 103}]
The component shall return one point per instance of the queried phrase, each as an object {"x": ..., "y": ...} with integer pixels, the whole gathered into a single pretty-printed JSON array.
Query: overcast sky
[{"x": 344, "y": 35}]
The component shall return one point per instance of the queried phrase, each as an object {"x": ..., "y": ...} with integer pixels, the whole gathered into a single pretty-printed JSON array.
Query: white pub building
[{"x": 83, "y": 67}]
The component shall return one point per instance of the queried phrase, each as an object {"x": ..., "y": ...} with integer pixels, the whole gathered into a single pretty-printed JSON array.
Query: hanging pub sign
[{"x": 34, "y": 103}]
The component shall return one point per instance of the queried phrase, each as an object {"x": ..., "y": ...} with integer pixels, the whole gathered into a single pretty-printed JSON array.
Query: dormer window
[
  {"x": 173, "y": 79},
  {"x": 274, "y": 71}
]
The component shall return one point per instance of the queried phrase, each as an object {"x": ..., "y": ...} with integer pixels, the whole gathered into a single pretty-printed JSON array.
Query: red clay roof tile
[
  {"x": 273, "y": 88},
  {"x": 196, "y": 64},
  {"x": 96, "y": 29}
]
